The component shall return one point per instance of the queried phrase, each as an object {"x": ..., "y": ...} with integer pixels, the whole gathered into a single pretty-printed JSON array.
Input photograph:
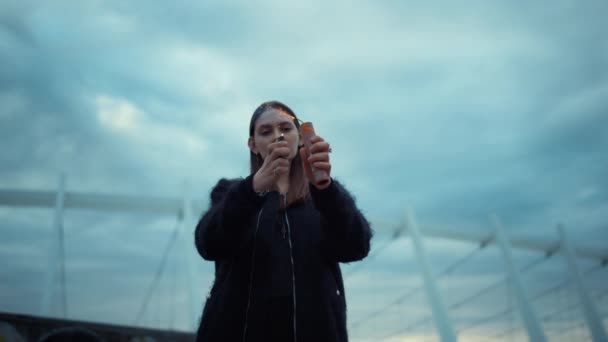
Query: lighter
[{"x": 321, "y": 177}]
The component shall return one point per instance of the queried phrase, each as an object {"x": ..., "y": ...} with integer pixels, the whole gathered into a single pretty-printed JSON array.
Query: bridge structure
[{"x": 444, "y": 319}]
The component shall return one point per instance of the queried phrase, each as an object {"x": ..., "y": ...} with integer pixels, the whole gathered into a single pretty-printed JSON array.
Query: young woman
[{"x": 276, "y": 238}]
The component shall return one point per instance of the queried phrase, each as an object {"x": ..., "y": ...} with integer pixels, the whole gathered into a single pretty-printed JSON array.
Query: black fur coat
[{"x": 264, "y": 255}]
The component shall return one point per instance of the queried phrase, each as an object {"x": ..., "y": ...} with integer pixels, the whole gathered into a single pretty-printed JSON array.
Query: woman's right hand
[{"x": 275, "y": 165}]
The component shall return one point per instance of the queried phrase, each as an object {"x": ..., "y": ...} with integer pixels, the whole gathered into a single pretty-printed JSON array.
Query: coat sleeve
[
  {"x": 347, "y": 232},
  {"x": 223, "y": 228}
]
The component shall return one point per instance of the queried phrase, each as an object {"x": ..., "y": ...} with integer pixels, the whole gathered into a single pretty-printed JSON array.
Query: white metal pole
[
  {"x": 593, "y": 320},
  {"x": 442, "y": 320},
  {"x": 188, "y": 241},
  {"x": 533, "y": 327},
  {"x": 53, "y": 260}
]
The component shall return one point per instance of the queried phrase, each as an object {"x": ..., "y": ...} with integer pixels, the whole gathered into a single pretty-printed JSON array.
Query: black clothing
[{"x": 277, "y": 271}]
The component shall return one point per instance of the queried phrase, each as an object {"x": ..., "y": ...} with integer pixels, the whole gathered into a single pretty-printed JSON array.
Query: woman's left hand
[{"x": 319, "y": 158}]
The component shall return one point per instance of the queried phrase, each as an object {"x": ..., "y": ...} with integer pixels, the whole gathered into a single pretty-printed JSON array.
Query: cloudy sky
[{"x": 459, "y": 112}]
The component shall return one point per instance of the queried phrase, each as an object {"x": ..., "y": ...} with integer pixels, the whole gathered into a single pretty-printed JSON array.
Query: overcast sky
[{"x": 460, "y": 112}]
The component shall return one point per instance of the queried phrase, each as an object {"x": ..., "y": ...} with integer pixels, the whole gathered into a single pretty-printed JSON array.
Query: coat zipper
[
  {"x": 257, "y": 227},
  {"x": 293, "y": 277}
]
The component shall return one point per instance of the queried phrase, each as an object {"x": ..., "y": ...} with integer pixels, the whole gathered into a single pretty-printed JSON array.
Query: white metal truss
[{"x": 185, "y": 208}]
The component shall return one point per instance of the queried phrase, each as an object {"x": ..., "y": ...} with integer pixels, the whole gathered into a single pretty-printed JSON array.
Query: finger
[
  {"x": 321, "y": 146},
  {"x": 321, "y": 156},
  {"x": 283, "y": 170},
  {"x": 275, "y": 145},
  {"x": 280, "y": 162},
  {"x": 278, "y": 144},
  {"x": 322, "y": 165},
  {"x": 316, "y": 139},
  {"x": 279, "y": 171},
  {"x": 279, "y": 152}
]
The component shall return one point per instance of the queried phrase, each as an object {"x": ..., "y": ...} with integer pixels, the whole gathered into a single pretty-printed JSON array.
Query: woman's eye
[
  {"x": 286, "y": 129},
  {"x": 265, "y": 132}
]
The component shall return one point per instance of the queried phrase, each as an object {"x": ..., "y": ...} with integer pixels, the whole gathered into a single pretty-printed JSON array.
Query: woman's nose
[{"x": 278, "y": 136}]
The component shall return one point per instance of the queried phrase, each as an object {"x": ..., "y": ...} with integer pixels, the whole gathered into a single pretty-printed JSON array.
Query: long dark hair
[{"x": 298, "y": 183}]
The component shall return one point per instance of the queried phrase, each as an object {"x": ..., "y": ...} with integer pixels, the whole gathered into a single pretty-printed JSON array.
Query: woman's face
[{"x": 268, "y": 127}]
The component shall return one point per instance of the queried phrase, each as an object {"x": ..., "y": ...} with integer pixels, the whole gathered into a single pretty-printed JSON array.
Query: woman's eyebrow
[{"x": 267, "y": 125}]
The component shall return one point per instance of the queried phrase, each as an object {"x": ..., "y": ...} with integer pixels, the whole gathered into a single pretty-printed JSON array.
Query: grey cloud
[{"x": 457, "y": 111}]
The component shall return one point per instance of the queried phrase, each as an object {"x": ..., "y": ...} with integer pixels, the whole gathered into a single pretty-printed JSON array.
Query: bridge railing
[{"x": 442, "y": 315}]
